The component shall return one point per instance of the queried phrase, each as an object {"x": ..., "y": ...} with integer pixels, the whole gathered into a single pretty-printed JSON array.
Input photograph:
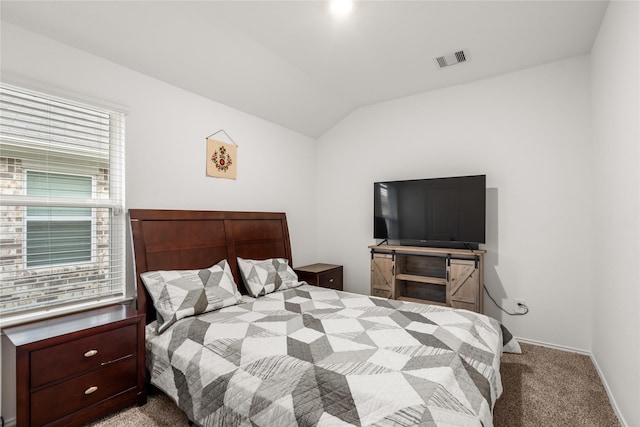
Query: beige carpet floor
[
  {"x": 548, "y": 387},
  {"x": 542, "y": 387}
]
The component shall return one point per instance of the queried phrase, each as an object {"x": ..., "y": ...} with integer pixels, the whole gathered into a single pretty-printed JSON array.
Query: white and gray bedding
[{"x": 312, "y": 356}]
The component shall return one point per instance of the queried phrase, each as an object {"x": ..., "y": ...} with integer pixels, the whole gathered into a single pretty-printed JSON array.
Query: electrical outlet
[{"x": 520, "y": 306}]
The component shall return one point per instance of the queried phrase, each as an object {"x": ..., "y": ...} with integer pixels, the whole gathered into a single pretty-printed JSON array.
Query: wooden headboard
[{"x": 189, "y": 240}]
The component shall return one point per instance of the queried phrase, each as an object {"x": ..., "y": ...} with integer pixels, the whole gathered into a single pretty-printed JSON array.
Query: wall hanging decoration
[{"x": 222, "y": 157}]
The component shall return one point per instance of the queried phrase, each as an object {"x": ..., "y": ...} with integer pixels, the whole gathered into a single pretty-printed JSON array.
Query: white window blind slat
[
  {"x": 97, "y": 202},
  {"x": 38, "y": 105},
  {"x": 62, "y": 234}
]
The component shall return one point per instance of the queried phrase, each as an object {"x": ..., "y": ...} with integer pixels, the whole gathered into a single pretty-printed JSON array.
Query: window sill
[{"x": 18, "y": 319}]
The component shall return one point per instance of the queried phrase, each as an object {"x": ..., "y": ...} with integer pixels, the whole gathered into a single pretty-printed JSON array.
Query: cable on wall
[{"x": 526, "y": 309}]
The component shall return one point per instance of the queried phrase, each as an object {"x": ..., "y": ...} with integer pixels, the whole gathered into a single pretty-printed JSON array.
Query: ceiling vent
[{"x": 452, "y": 58}]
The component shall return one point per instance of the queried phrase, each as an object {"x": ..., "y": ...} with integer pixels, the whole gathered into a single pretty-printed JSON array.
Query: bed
[{"x": 298, "y": 355}]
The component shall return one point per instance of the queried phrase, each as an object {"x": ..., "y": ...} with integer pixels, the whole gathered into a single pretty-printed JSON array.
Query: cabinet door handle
[
  {"x": 90, "y": 390},
  {"x": 91, "y": 353}
]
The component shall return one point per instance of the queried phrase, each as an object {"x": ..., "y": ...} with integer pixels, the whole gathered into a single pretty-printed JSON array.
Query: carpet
[
  {"x": 542, "y": 387},
  {"x": 549, "y": 387}
]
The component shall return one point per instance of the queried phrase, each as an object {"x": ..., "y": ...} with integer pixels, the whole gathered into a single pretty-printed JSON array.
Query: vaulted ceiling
[{"x": 295, "y": 64}]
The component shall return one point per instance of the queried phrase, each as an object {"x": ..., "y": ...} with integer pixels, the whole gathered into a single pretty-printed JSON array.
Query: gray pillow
[
  {"x": 182, "y": 293},
  {"x": 262, "y": 277}
]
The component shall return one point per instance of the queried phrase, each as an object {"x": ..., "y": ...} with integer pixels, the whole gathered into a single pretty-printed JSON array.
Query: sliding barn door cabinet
[{"x": 448, "y": 277}]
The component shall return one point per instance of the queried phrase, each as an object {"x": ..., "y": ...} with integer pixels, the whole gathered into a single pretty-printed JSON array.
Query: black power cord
[{"x": 526, "y": 309}]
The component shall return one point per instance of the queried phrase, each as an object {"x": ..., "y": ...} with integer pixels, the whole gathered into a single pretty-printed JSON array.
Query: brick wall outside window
[{"x": 23, "y": 285}]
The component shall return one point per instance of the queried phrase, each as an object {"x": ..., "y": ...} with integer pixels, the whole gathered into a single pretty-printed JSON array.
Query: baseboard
[
  {"x": 612, "y": 400},
  {"x": 10, "y": 422},
  {"x": 623, "y": 422},
  {"x": 554, "y": 346}
]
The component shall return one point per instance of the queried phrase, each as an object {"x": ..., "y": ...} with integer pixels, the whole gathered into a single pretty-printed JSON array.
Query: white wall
[
  {"x": 615, "y": 87},
  {"x": 165, "y": 139},
  {"x": 529, "y": 132}
]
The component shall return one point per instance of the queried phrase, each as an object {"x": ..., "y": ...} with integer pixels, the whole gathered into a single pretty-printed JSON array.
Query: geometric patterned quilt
[{"x": 313, "y": 356}]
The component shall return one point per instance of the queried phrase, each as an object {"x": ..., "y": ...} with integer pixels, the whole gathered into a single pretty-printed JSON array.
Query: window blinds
[{"x": 62, "y": 216}]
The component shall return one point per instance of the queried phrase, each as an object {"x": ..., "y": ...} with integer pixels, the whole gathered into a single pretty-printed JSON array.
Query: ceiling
[{"x": 295, "y": 64}]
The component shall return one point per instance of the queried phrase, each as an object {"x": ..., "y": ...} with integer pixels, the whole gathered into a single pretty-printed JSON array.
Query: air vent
[{"x": 452, "y": 58}]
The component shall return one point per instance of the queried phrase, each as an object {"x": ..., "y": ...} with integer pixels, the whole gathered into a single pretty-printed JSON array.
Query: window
[
  {"x": 62, "y": 229},
  {"x": 58, "y": 236}
]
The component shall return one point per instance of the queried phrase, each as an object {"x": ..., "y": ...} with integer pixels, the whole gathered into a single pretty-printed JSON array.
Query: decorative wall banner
[{"x": 222, "y": 159}]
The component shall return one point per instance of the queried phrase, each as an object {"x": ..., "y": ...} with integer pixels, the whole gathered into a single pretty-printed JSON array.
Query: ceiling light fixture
[{"x": 341, "y": 7}]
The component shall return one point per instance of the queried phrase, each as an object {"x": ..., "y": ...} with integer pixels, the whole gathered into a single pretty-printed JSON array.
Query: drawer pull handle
[
  {"x": 91, "y": 353},
  {"x": 91, "y": 390},
  {"x": 331, "y": 280}
]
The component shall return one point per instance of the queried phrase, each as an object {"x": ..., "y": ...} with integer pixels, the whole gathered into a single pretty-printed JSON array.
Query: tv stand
[
  {"x": 438, "y": 244},
  {"x": 442, "y": 276}
]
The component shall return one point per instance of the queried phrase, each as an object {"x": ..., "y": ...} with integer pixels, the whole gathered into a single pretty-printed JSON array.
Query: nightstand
[
  {"x": 324, "y": 275},
  {"x": 73, "y": 369}
]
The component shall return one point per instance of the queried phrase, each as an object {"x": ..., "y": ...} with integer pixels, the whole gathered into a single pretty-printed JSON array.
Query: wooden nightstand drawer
[
  {"x": 332, "y": 279},
  {"x": 324, "y": 275},
  {"x": 73, "y": 369},
  {"x": 73, "y": 357},
  {"x": 83, "y": 391}
]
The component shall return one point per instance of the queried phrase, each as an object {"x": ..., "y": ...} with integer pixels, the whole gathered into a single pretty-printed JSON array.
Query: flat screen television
[{"x": 443, "y": 212}]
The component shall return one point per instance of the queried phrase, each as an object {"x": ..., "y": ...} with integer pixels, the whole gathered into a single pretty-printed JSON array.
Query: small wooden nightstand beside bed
[
  {"x": 323, "y": 275},
  {"x": 73, "y": 369}
]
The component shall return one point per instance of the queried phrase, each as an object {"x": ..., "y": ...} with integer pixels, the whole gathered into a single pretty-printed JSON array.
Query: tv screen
[{"x": 431, "y": 210}]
